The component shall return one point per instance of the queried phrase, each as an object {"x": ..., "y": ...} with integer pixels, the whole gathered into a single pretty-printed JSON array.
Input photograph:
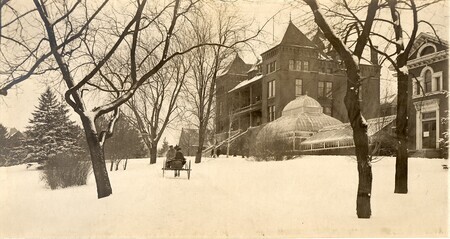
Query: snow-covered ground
[{"x": 309, "y": 196}]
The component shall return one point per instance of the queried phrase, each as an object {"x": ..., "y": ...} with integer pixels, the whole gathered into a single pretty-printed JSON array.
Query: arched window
[
  {"x": 426, "y": 49},
  {"x": 427, "y": 77}
]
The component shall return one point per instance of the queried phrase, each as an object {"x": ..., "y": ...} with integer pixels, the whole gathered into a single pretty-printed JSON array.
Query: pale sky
[{"x": 16, "y": 108}]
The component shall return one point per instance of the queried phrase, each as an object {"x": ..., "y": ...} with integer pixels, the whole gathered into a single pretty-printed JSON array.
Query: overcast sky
[{"x": 16, "y": 108}]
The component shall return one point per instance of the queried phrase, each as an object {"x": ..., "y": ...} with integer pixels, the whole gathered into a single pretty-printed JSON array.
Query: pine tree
[
  {"x": 164, "y": 148},
  {"x": 50, "y": 131}
]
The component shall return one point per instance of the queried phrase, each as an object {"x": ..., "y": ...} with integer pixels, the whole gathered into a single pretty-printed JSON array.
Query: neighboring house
[
  {"x": 189, "y": 141},
  {"x": 252, "y": 96},
  {"x": 428, "y": 98}
]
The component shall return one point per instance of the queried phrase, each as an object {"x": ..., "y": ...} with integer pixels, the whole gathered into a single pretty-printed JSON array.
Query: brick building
[
  {"x": 428, "y": 98},
  {"x": 250, "y": 96}
]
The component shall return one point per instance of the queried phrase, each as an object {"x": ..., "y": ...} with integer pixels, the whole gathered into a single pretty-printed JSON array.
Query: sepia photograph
[{"x": 224, "y": 119}]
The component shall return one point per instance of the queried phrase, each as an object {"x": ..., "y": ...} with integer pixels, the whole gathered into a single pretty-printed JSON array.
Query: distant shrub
[
  {"x": 65, "y": 170},
  {"x": 270, "y": 146}
]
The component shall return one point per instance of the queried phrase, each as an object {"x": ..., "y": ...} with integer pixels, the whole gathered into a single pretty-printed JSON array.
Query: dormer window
[{"x": 426, "y": 49}]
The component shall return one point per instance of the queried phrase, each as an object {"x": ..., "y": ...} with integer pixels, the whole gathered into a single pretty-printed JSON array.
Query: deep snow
[{"x": 311, "y": 196}]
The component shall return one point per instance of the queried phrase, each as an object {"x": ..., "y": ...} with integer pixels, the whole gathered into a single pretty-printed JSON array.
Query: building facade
[
  {"x": 428, "y": 98},
  {"x": 297, "y": 66}
]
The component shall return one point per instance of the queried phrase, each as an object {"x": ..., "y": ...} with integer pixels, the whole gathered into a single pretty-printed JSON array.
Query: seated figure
[{"x": 178, "y": 162}]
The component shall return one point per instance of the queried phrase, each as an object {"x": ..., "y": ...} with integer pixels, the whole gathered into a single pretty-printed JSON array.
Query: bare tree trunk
[
  {"x": 351, "y": 100},
  {"x": 153, "y": 152},
  {"x": 117, "y": 164},
  {"x": 361, "y": 139},
  {"x": 125, "y": 164},
  {"x": 98, "y": 159},
  {"x": 112, "y": 165},
  {"x": 201, "y": 140},
  {"x": 401, "y": 160}
]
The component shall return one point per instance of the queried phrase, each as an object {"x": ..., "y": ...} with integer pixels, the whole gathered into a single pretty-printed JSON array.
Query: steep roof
[
  {"x": 236, "y": 66},
  {"x": 293, "y": 36},
  {"x": 320, "y": 40},
  {"x": 423, "y": 38}
]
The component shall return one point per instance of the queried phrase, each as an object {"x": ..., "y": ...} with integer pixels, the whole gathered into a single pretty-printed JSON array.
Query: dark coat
[{"x": 179, "y": 155}]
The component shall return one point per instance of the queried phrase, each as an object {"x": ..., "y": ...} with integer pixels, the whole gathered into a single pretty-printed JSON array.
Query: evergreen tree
[
  {"x": 164, "y": 148},
  {"x": 50, "y": 131}
]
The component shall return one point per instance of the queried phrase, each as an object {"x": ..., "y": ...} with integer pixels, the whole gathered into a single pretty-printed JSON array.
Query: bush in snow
[
  {"x": 270, "y": 146},
  {"x": 65, "y": 170}
]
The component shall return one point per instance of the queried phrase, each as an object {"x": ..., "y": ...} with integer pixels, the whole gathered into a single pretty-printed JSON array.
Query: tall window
[
  {"x": 320, "y": 87},
  {"x": 418, "y": 89},
  {"x": 427, "y": 81},
  {"x": 271, "y": 89},
  {"x": 271, "y": 67},
  {"x": 329, "y": 90},
  {"x": 437, "y": 83},
  {"x": 305, "y": 66},
  {"x": 325, "y": 89},
  {"x": 298, "y": 87},
  {"x": 360, "y": 92},
  {"x": 271, "y": 113},
  {"x": 298, "y": 65},
  {"x": 291, "y": 65}
]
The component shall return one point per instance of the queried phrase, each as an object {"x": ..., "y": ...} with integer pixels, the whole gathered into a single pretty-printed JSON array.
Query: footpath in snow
[{"x": 310, "y": 196}]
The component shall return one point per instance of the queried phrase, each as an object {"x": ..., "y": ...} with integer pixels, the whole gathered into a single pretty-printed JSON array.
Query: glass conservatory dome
[{"x": 301, "y": 117}]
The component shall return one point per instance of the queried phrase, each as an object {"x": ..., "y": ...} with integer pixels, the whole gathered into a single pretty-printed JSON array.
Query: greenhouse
[
  {"x": 300, "y": 119},
  {"x": 341, "y": 136}
]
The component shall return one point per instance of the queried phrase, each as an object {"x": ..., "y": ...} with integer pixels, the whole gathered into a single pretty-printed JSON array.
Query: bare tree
[
  {"x": 70, "y": 38},
  {"x": 399, "y": 59},
  {"x": 351, "y": 59},
  {"x": 226, "y": 29},
  {"x": 155, "y": 106}
]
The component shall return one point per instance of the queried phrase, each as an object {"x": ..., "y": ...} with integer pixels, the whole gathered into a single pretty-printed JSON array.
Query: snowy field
[{"x": 309, "y": 196}]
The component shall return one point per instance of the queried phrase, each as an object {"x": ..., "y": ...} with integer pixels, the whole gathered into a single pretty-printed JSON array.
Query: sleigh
[{"x": 177, "y": 166}]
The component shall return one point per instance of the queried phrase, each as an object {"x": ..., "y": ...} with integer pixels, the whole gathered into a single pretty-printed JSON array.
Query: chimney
[{"x": 374, "y": 55}]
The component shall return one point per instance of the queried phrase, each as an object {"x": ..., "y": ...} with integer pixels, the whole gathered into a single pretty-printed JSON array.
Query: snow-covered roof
[
  {"x": 255, "y": 66},
  {"x": 246, "y": 82},
  {"x": 365, "y": 62},
  {"x": 389, "y": 99},
  {"x": 344, "y": 131}
]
